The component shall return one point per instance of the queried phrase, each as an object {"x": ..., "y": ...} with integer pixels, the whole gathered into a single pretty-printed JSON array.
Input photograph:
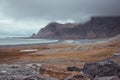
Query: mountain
[
  {"x": 97, "y": 27},
  {"x": 116, "y": 38}
]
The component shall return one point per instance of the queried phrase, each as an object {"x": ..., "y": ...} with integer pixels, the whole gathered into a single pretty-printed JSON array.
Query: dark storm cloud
[
  {"x": 60, "y": 9},
  {"x": 28, "y": 16}
]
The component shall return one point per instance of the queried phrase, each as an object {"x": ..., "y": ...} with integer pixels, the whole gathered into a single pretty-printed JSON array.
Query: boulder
[
  {"x": 18, "y": 72},
  {"x": 108, "y": 78},
  {"x": 74, "y": 69},
  {"x": 102, "y": 69}
]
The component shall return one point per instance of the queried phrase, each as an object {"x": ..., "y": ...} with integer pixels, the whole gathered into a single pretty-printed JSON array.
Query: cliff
[{"x": 97, "y": 27}]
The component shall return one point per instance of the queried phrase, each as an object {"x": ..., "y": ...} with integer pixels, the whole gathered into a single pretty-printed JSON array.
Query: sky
[{"x": 25, "y": 17}]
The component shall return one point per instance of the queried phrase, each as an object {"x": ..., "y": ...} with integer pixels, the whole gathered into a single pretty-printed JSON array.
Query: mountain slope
[{"x": 97, "y": 27}]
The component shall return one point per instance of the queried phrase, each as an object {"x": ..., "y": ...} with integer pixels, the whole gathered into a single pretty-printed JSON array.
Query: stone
[
  {"x": 77, "y": 77},
  {"x": 18, "y": 72},
  {"x": 101, "y": 69},
  {"x": 108, "y": 78},
  {"x": 74, "y": 69}
]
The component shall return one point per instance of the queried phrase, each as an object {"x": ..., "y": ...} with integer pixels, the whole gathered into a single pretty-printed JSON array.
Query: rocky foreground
[{"x": 102, "y": 70}]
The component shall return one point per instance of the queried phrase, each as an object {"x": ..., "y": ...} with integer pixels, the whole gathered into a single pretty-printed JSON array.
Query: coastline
[
  {"x": 61, "y": 41},
  {"x": 25, "y": 45}
]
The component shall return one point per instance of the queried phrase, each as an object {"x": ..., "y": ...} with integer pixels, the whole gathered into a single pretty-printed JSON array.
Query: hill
[{"x": 97, "y": 27}]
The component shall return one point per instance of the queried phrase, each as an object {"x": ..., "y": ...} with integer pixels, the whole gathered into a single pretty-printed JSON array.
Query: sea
[{"x": 20, "y": 41}]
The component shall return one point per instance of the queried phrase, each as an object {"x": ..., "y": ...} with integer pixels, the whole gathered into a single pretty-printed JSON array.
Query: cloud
[
  {"x": 30, "y": 15},
  {"x": 60, "y": 9},
  {"x": 20, "y": 28}
]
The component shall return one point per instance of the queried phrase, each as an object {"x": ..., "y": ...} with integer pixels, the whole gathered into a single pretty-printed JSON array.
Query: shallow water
[
  {"x": 15, "y": 41},
  {"x": 19, "y": 41}
]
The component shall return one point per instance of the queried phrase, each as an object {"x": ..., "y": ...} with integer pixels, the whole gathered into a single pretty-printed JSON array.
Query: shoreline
[
  {"x": 74, "y": 42},
  {"x": 32, "y": 44},
  {"x": 25, "y": 45}
]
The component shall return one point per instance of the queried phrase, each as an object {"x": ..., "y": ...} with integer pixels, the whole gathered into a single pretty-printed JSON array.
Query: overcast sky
[{"x": 24, "y": 17}]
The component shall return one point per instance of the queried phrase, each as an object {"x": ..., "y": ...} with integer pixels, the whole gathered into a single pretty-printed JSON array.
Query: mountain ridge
[{"x": 97, "y": 27}]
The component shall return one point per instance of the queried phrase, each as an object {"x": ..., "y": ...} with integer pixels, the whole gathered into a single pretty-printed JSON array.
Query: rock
[
  {"x": 22, "y": 72},
  {"x": 108, "y": 78},
  {"x": 35, "y": 66},
  {"x": 116, "y": 38},
  {"x": 18, "y": 72},
  {"x": 34, "y": 78},
  {"x": 77, "y": 77},
  {"x": 33, "y": 35},
  {"x": 102, "y": 69},
  {"x": 46, "y": 78},
  {"x": 73, "y": 69},
  {"x": 116, "y": 55}
]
